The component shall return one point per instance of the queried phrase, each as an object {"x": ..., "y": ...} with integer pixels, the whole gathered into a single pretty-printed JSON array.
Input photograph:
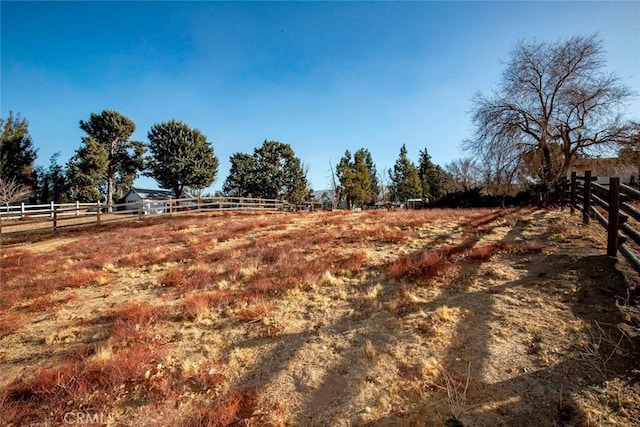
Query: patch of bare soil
[{"x": 475, "y": 318}]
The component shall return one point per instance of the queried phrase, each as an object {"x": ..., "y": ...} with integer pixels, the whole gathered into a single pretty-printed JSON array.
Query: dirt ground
[{"x": 520, "y": 320}]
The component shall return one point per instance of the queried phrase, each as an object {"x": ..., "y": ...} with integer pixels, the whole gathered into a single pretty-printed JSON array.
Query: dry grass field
[{"x": 432, "y": 317}]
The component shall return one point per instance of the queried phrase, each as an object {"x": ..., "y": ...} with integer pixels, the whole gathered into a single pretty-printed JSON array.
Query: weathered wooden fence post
[
  {"x": 55, "y": 218},
  {"x": 77, "y": 208},
  {"x": 52, "y": 204},
  {"x": 572, "y": 198},
  {"x": 140, "y": 210},
  {"x": 22, "y": 210},
  {"x": 614, "y": 217},
  {"x": 98, "y": 212},
  {"x": 586, "y": 211}
]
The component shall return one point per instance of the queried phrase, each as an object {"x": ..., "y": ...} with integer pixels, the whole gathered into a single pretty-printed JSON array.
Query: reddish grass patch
[
  {"x": 92, "y": 385},
  {"x": 271, "y": 255},
  {"x": 18, "y": 258},
  {"x": 256, "y": 311},
  {"x": 10, "y": 323},
  {"x": 349, "y": 262},
  {"x": 187, "y": 279},
  {"x": 207, "y": 377},
  {"x": 199, "y": 302},
  {"x": 42, "y": 279},
  {"x": 132, "y": 321},
  {"x": 420, "y": 264},
  {"x": 42, "y": 303},
  {"x": 427, "y": 263},
  {"x": 232, "y": 410},
  {"x": 84, "y": 277}
]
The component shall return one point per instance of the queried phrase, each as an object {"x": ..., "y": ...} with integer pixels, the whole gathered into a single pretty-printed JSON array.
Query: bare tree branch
[{"x": 11, "y": 191}]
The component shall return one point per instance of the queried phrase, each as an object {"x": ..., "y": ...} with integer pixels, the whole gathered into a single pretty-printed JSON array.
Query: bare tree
[
  {"x": 501, "y": 168},
  {"x": 385, "y": 184},
  {"x": 554, "y": 103},
  {"x": 464, "y": 174},
  {"x": 334, "y": 186},
  {"x": 11, "y": 191}
]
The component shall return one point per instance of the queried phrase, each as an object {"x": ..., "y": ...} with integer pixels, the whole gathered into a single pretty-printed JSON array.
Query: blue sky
[{"x": 322, "y": 76}]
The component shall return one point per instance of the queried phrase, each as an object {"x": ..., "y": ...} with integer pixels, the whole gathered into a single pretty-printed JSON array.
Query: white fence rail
[
  {"x": 13, "y": 218},
  {"x": 24, "y": 211}
]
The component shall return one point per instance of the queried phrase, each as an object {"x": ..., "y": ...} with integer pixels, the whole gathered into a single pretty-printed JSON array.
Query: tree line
[
  {"x": 554, "y": 105},
  {"x": 181, "y": 158}
]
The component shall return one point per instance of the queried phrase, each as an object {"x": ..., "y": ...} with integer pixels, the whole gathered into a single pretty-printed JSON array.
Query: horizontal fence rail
[
  {"x": 57, "y": 215},
  {"x": 613, "y": 206}
]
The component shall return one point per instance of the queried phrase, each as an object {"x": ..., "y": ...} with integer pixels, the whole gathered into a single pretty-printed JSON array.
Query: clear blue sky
[{"x": 322, "y": 76}]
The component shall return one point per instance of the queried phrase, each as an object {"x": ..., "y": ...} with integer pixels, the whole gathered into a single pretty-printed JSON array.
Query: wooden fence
[
  {"x": 612, "y": 206},
  {"x": 55, "y": 215}
]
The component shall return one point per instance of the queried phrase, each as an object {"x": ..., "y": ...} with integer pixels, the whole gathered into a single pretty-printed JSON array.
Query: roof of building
[
  {"x": 319, "y": 193},
  {"x": 152, "y": 194}
]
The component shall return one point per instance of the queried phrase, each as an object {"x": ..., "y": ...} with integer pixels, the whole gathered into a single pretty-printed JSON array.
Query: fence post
[
  {"x": 52, "y": 208},
  {"x": 614, "y": 217},
  {"x": 140, "y": 210},
  {"x": 77, "y": 208},
  {"x": 587, "y": 198},
  {"x": 98, "y": 211},
  {"x": 574, "y": 185},
  {"x": 22, "y": 210},
  {"x": 54, "y": 212}
]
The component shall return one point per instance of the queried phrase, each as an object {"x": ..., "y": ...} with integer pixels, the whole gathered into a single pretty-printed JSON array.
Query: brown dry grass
[{"x": 485, "y": 317}]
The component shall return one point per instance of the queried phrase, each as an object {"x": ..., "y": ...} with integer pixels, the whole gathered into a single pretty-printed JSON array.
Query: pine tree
[
  {"x": 241, "y": 179},
  {"x": 109, "y": 160},
  {"x": 358, "y": 184},
  {"x": 272, "y": 172},
  {"x": 17, "y": 153},
  {"x": 405, "y": 181},
  {"x": 181, "y": 157},
  {"x": 86, "y": 171},
  {"x": 53, "y": 185},
  {"x": 432, "y": 177}
]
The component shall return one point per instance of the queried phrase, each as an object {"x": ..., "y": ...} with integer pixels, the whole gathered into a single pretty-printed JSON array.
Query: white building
[{"x": 153, "y": 201}]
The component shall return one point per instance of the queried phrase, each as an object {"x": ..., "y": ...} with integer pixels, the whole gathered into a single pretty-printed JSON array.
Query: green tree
[
  {"x": 357, "y": 180},
  {"x": 86, "y": 171},
  {"x": 108, "y": 132},
  {"x": 17, "y": 153},
  {"x": 129, "y": 168},
  {"x": 53, "y": 184},
  {"x": 374, "y": 187},
  {"x": 432, "y": 177},
  {"x": 405, "y": 180},
  {"x": 272, "y": 172},
  {"x": 241, "y": 179},
  {"x": 181, "y": 157},
  {"x": 280, "y": 173}
]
